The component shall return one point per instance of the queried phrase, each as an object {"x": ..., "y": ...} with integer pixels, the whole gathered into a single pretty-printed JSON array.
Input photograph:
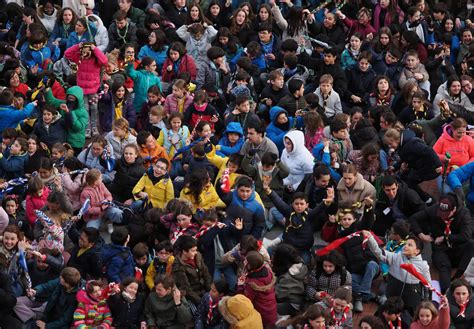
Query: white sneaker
[
  {"x": 110, "y": 228},
  {"x": 267, "y": 243}
]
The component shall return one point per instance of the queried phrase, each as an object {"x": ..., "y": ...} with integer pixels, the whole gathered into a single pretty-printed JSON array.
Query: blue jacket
[
  {"x": 118, "y": 262},
  {"x": 325, "y": 158},
  {"x": 275, "y": 133},
  {"x": 226, "y": 148},
  {"x": 32, "y": 57},
  {"x": 88, "y": 36},
  {"x": 59, "y": 32},
  {"x": 13, "y": 166},
  {"x": 258, "y": 61},
  {"x": 10, "y": 116},
  {"x": 107, "y": 112},
  {"x": 457, "y": 177},
  {"x": 158, "y": 56}
]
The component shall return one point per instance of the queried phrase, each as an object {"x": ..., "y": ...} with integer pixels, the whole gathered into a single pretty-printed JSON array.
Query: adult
[
  {"x": 352, "y": 189},
  {"x": 257, "y": 144},
  {"x": 451, "y": 92}
]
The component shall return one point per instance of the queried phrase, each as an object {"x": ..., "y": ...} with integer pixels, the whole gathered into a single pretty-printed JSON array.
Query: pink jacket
[
  {"x": 73, "y": 188},
  {"x": 34, "y": 202},
  {"x": 441, "y": 322},
  {"x": 388, "y": 17},
  {"x": 461, "y": 151},
  {"x": 88, "y": 70},
  {"x": 354, "y": 26},
  {"x": 171, "y": 103},
  {"x": 96, "y": 194}
]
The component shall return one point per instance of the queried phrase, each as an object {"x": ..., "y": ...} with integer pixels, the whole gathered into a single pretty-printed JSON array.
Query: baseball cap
[{"x": 446, "y": 205}]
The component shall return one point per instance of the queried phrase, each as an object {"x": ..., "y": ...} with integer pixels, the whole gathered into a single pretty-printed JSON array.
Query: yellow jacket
[
  {"x": 208, "y": 198},
  {"x": 151, "y": 272},
  {"x": 221, "y": 164},
  {"x": 239, "y": 312},
  {"x": 158, "y": 194}
]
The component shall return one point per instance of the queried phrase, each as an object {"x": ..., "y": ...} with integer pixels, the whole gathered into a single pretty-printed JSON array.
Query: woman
[
  {"x": 387, "y": 12},
  {"x": 218, "y": 14},
  {"x": 83, "y": 32},
  {"x": 411, "y": 41},
  {"x": 156, "y": 48},
  {"x": 383, "y": 41},
  {"x": 64, "y": 26},
  {"x": 420, "y": 109},
  {"x": 240, "y": 27},
  {"x": 461, "y": 307},
  {"x": 196, "y": 15},
  {"x": 451, "y": 92},
  {"x": 178, "y": 61},
  {"x": 115, "y": 104},
  {"x": 297, "y": 158},
  {"x": 352, "y": 189},
  {"x": 264, "y": 14},
  {"x": 127, "y": 306}
]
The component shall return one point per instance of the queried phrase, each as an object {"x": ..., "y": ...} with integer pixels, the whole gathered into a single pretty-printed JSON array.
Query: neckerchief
[
  {"x": 204, "y": 229},
  {"x": 462, "y": 309},
  {"x": 399, "y": 324},
  {"x": 123, "y": 36},
  {"x": 178, "y": 233},
  {"x": 393, "y": 247},
  {"x": 212, "y": 305},
  {"x": 383, "y": 100},
  {"x": 447, "y": 229},
  {"x": 296, "y": 220},
  {"x": 340, "y": 322}
]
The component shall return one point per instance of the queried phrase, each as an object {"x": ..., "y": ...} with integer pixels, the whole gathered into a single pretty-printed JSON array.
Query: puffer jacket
[
  {"x": 118, "y": 261},
  {"x": 299, "y": 161},
  {"x": 54, "y": 132},
  {"x": 96, "y": 195},
  {"x": 289, "y": 287},
  {"x": 162, "y": 312},
  {"x": 171, "y": 103},
  {"x": 158, "y": 55},
  {"x": 126, "y": 177},
  {"x": 461, "y": 151},
  {"x": 239, "y": 312},
  {"x": 142, "y": 81},
  {"x": 90, "y": 161},
  {"x": 91, "y": 312},
  {"x": 443, "y": 94},
  {"x": 225, "y": 149},
  {"x": 118, "y": 145},
  {"x": 88, "y": 70},
  {"x": 159, "y": 193},
  {"x": 276, "y": 132}
]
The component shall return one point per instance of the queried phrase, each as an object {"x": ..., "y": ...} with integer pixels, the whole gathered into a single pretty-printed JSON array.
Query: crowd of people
[{"x": 229, "y": 164}]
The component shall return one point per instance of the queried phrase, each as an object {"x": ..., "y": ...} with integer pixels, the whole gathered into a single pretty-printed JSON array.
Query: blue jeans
[
  {"x": 229, "y": 276},
  {"x": 442, "y": 189},
  {"x": 362, "y": 284},
  {"x": 112, "y": 213},
  {"x": 272, "y": 217}
]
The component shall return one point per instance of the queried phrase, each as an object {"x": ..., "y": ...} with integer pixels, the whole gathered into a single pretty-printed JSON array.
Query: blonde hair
[
  {"x": 157, "y": 110},
  {"x": 391, "y": 134},
  {"x": 121, "y": 123}
]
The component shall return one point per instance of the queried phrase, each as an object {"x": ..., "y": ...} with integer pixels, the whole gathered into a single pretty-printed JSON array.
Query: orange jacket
[{"x": 150, "y": 157}]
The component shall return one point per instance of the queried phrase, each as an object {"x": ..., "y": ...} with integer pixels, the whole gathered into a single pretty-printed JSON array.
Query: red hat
[{"x": 446, "y": 206}]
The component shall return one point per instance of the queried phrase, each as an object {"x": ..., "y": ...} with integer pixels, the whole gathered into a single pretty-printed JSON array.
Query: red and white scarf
[
  {"x": 342, "y": 320},
  {"x": 399, "y": 324},
  {"x": 204, "y": 229},
  {"x": 447, "y": 229},
  {"x": 337, "y": 243},
  {"x": 462, "y": 310},
  {"x": 212, "y": 306}
]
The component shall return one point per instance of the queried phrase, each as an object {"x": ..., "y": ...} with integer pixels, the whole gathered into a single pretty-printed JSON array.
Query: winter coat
[
  {"x": 354, "y": 26},
  {"x": 443, "y": 94},
  {"x": 97, "y": 195},
  {"x": 107, "y": 112},
  {"x": 101, "y": 37},
  {"x": 239, "y": 312},
  {"x": 388, "y": 19},
  {"x": 91, "y": 312},
  {"x": 31, "y": 57},
  {"x": 48, "y": 21},
  {"x": 55, "y": 131},
  {"x": 80, "y": 118},
  {"x": 127, "y": 315},
  {"x": 259, "y": 287},
  {"x": 171, "y": 103},
  {"x": 193, "y": 115},
  {"x": 208, "y": 198},
  {"x": 359, "y": 83},
  {"x": 289, "y": 287},
  {"x": 158, "y": 55},
  {"x": 299, "y": 161},
  {"x": 115, "y": 41},
  {"x": 126, "y": 178},
  {"x": 225, "y": 148},
  {"x": 90, "y": 161},
  {"x": 408, "y": 75},
  {"x": 61, "y": 33},
  {"x": 292, "y": 104},
  {"x": 118, "y": 262},
  {"x": 75, "y": 39},
  {"x": 155, "y": 268},
  {"x": 159, "y": 193},
  {"x": 348, "y": 58},
  {"x": 460, "y": 322},
  {"x": 332, "y": 105},
  {"x": 35, "y": 202},
  {"x": 13, "y": 166},
  {"x": 201, "y": 318},
  {"x": 143, "y": 80},
  {"x": 276, "y": 132},
  {"x": 88, "y": 70},
  {"x": 162, "y": 312},
  {"x": 361, "y": 190},
  {"x": 89, "y": 262},
  {"x": 197, "y": 49},
  {"x": 10, "y": 116},
  {"x": 185, "y": 64},
  {"x": 440, "y": 322},
  {"x": 150, "y": 157},
  {"x": 318, "y": 281},
  {"x": 457, "y": 178},
  {"x": 118, "y": 145},
  {"x": 266, "y": 146},
  {"x": 193, "y": 282},
  {"x": 211, "y": 75},
  {"x": 461, "y": 151},
  {"x": 408, "y": 114}
]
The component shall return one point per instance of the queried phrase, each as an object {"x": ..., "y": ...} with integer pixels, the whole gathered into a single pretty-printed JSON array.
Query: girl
[
  {"x": 52, "y": 127},
  {"x": 180, "y": 222},
  {"x": 384, "y": 40},
  {"x": 156, "y": 48},
  {"x": 218, "y": 14},
  {"x": 315, "y": 317},
  {"x": 72, "y": 183},
  {"x": 264, "y": 14},
  {"x": 12, "y": 164},
  {"x": 156, "y": 121},
  {"x": 175, "y": 136},
  {"x": 119, "y": 137},
  {"x": 154, "y": 98},
  {"x": 367, "y": 161},
  {"x": 179, "y": 100},
  {"x": 350, "y": 55},
  {"x": 155, "y": 186},
  {"x": 48, "y": 13},
  {"x": 200, "y": 110},
  {"x": 82, "y": 33},
  {"x": 127, "y": 51},
  {"x": 461, "y": 307},
  {"x": 65, "y": 24},
  {"x": 353, "y": 188},
  {"x": 240, "y": 27},
  {"x": 92, "y": 309},
  {"x": 451, "y": 92},
  {"x": 94, "y": 157},
  {"x": 49, "y": 174},
  {"x": 195, "y": 15},
  {"x": 59, "y": 153},
  {"x": 427, "y": 316},
  {"x": 143, "y": 79},
  {"x": 166, "y": 306},
  {"x": 127, "y": 306},
  {"x": 327, "y": 275},
  {"x": 229, "y": 43},
  {"x": 340, "y": 314},
  {"x": 178, "y": 61},
  {"x": 12, "y": 245},
  {"x": 208, "y": 315},
  {"x": 383, "y": 93},
  {"x": 50, "y": 233},
  {"x": 35, "y": 153},
  {"x": 36, "y": 198},
  {"x": 16, "y": 215},
  {"x": 387, "y": 12},
  {"x": 12, "y": 79},
  {"x": 313, "y": 130},
  {"x": 420, "y": 109},
  {"x": 116, "y": 104},
  {"x": 198, "y": 39}
]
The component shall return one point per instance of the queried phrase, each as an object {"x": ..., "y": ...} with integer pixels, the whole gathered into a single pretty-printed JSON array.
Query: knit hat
[
  {"x": 254, "y": 260},
  {"x": 241, "y": 90},
  {"x": 446, "y": 206}
]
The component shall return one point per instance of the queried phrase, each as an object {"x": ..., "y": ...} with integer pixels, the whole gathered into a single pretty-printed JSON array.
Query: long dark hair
[
  {"x": 196, "y": 183},
  {"x": 284, "y": 257},
  {"x": 116, "y": 86},
  {"x": 59, "y": 19},
  {"x": 294, "y": 17}
]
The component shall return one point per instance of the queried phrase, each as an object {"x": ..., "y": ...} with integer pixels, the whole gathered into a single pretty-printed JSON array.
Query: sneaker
[
  {"x": 95, "y": 131},
  {"x": 110, "y": 228},
  {"x": 88, "y": 133},
  {"x": 381, "y": 299},
  {"x": 358, "y": 307},
  {"x": 267, "y": 243}
]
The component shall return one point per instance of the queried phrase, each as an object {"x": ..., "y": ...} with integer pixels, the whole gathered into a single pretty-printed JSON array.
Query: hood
[
  {"x": 318, "y": 151},
  {"x": 298, "y": 271},
  {"x": 236, "y": 308},
  {"x": 111, "y": 250},
  {"x": 407, "y": 135},
  {"x": 98, "y": 19},
  {"x": 78, "y": 93},
  {"x": 234, "y": 127},
  {"x": 448, "y": 133},
  {"x": 275, "y": 111},
  {"x": 83, "y": 297},
  {"x": 297, "y": 138}
]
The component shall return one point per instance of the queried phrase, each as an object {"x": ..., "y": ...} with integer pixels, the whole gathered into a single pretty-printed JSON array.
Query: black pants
[
  {"x": 411, "y": 294},
  {"x": 445, "y": 258}
]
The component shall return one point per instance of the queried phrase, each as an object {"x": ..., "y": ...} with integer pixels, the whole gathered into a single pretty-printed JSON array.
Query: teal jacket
[
  {"x": 142, "y": 81},
  {"x": 76, "y": 134}
]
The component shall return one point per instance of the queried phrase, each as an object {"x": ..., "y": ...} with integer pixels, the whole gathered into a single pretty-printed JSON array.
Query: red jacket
[
  {"x": 96, "y": 194},
  {"x": 354, "y": 26},
  {"x": 461, "y": 151},
  {"x": 58, "y": 91},
  {"x": 187, "y": 64},
  {"x": 34, "y": 202},
  {"x": 88, "y": 70}
]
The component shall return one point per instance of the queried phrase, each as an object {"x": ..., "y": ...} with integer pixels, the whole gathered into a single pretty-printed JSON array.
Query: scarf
[
  {"x": 124, "y": 35},
  {"x": 179, "y": 232},
  {"x": 383, "y": 100},
  {"x": 212, "y": 306},
  {"x": 339, "y": 323},
  {"x": 128, "y": 298},
  {"x": 297, "y": 220},
  {"x": 200, "y": 108},
  {"x": 462, "y": 309},
  {"x": 337, "y": 243},
  {"x": 204, "y": 229},
  {"x": 399, "y": 324},
  {"x": 447, "y": 229}
]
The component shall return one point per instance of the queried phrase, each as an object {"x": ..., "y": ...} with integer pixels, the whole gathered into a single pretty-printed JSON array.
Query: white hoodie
[
  {"x": 299, "y": 161},
  {"x": 102, "y": 35}
]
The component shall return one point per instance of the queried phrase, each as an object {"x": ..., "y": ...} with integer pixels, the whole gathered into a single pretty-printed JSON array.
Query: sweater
[
  {"x": 91, "y": 312},
  {"x": 96, "y": 194}
]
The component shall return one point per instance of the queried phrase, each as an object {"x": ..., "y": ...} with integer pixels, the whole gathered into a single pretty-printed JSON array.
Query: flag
[{"x": 85, "y": 207}]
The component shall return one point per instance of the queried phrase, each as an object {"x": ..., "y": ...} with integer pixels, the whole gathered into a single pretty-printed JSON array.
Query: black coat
[
  {"x": 126, "y": 177},
  {"x": 459, "y": 322},
  {"x": 363, "y": 134},
  {"x": 127, "y": 315},
  {"x": 359, "y": 83},
  {"x": 89, "y": 264},
  {"x": 56, "y": 132},
  {"x": 7, "y": 302}
]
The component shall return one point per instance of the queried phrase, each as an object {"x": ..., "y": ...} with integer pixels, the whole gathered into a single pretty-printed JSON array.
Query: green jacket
[
  {"x": 76, "y": 134},
  {"x": 163, "y": 313},
  {"x": 137, "y": 16}
]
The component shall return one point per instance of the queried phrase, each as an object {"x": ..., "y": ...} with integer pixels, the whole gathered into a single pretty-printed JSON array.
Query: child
[
  {"x": 259, "y": 287},
  {"x": 38, "y": 52},
  {"x": 198, "y": 39},
  {"x": 272, "y": 93},
  {"x": 200, "y": 110},
  {"x": 89, "y": 60},
  {"x": 155, "y": 121},
  {"x": 52, "y": 127},
  {"x": 189, "y": 271},
  {"x": 86, "y": 253},
  {"x": 392, "y": 315},
  {"x": 155, "y": 186},
  {"x": 95, "y": 156},
  {"x": 460, "y": 304},
  {"x": 242, "y": 113},
  {"x": 141, "y": 257},
  {"x": 329, "y": 99},
  {"x": 280, "y": 124},
  {"x": 97, "y": 193},
  {"x": 83, "y": 33},
  {"x": 37, "y": 195},
  {"x": 313, "y": 129},
  {"x": 154, "y": 98},
  {"x": 13, "y": 161},
  {"x": 415, "y": 71},
  {"x": 116, "y": 256},
  {"x": 419, "y": 109},
  {"x": 150, "y": 150},
  {"x": 92, "y": 309},
  {"x": 350, "y": 55},
  {"x": 208, "y": 315},
  {"x": 12, "y": 243},
  {"x": 292, "y": 70},
  {"x": 178, "y": 61},
  {"x": 340, "y": 140},
  {"x": 116, "y": 104},
  {"x": 215, "y": 71},
  {"x": 157, "y": 48},
  {"x": 339, "y": 308},
  {"x": 232, "y": 140},
  {"x": 16, "y": 215},
  {"x": 128, "y": 305},
  {"x": 122, "y": 31},
  {"x": 174, "y": 136},
  {"x": 49, "y": 173},
  {"x": 427, "y": 316},
  {"x": 161, "y": 263},
  {"x": 179, "y": 100},
  {"x": 294, "y": 101},
  {"x": 180, "y": 222},
  {"x": 11, "y": 116},
  {"x": 166, "y": 306},
  {"x": 120, "y": 137}
]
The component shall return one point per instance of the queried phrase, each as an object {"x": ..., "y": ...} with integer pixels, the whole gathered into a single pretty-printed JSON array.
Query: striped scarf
[
  {"x": 340, "y": 322},
  {"x": 204, "y": 229},
  {"x": 212, "y": 306}
]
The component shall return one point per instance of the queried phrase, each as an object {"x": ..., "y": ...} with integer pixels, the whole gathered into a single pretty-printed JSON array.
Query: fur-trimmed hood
[{"x": 239, "y": 312}]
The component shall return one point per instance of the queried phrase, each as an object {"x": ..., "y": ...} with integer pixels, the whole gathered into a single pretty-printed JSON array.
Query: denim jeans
[
  {"x": 272, "y": 217},
  {"x": 442, "y": 189},
  {"x": 229, "y": 276},
  {"x": 362, "y": 284},
  {"x": 112, "y": 213},
  {"x": 90, "y": 101}
]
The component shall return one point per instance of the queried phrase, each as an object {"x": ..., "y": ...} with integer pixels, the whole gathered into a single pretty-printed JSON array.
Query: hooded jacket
[
  {"x": 101, "y": 37},
  {"x": 443, "y": 94},
  {"x": 289, "y": 287},
  {"x": 158, "y": 55},
  {"x": 461, "y": 151},
  {"x": 10, "y": 116},
  {"x": 171, "y": 103},
  {"x": 126, "y": 178},
  {"x": 239, "y": 312},
  {"x": 299, "y": 161},
  {"x": 91, "y": 312},
  {"x": 96, "y": 194},
  {"x": 193, "y": 281},
  {"x": 55, "y": 131},
  {"x": 13, "y": 166},
  {"x": 48, "y": 21},
  {"x": 80, "y": 118},
  {"x": 225, "y": 148},
  {"x": 276, "y": 132},
  {"x": 118, "y": 262}
]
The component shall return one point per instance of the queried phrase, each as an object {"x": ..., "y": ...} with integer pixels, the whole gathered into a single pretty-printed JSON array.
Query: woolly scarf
[
  {"x": 340, "y": 322},
  {"x": 128, "y": 298},
  {"x": 212, "y": 306},
  {"x": 399, "y": 324}
]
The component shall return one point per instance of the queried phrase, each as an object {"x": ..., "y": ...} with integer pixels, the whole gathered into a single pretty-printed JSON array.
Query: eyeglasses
[{"x": 162, "y": 168}]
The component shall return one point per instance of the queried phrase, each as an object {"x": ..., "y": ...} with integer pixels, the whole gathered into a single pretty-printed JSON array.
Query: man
[
  {"x": 257, "y": 144},
  {"x": 137, "y": 16},
  {"x": 397, "y": 202},
  {"x": 176, "y": 12},
  {"x": 315, "y": 185},
  {"x": 121, "y": 31},
  {"x": 447, "y": 225}
]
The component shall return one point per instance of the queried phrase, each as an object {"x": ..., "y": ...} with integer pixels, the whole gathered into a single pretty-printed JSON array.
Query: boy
[
  {"x": 38, "y": 52},
  {"x": 215, "y": 71},
  {"x": 329, "y": 99},
  {"x": 141, "y": 258},
  {"x": 121, "y": 31},
  {"x": 232, "y": 140},
  {"x": 257, "y": 143},
  {"x": 270, "y": 44},
  {"x": 292, "y": 70},
  {"x": 242, "y": 113},
  {"x": 281, "y": 124},
  {"x": 388, "y": 63},
  {"x": 150, "y": 150},
  {"x": 340, "y": 140},
  {"x": 85, "y": 256},
  {"x": 10, "y": 116},
  {"x": 414, "y": 71},
  {"x": 294, "y": 101},
  {"x": 161, "y": 264},
  {"x": 273, "y": 92},
  {"x": 392, "y": 315},
  {"x": 155, "y": 123},
  {"x": 255, "y": 53},
  {"x": 117, "y": 258},
  {"x": 136, "y": 15},
  {"x": 189, "y": 271}
]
